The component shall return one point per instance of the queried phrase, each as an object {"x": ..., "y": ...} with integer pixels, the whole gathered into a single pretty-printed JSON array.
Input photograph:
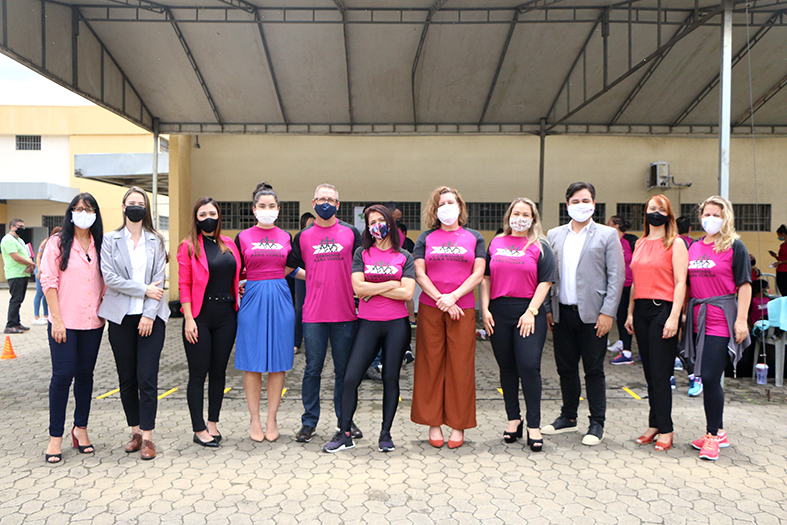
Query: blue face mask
[{"x": 325, "y": 210}]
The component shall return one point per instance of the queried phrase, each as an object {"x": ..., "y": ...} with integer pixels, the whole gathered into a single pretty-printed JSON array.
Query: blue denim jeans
[
  {"x": 316, "y": 336},
  {"x": 39, "y": 299}
]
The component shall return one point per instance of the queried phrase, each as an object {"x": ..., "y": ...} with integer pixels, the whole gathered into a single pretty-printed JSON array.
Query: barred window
[
  {"x": 28, "y": 142},
  {"x": 50, "y": 221},
  {"x": 633, "y": 213},
  {"x": 752, "y": 217},
  {"x": 238, "y": 215},
  {"x": 692, "y": 211},
  {"x": 163, "y": 222},
  {"x": 600, "y": 215},
  {"x": 411, "y": 212},
  {"x": 487, "y": 216}
]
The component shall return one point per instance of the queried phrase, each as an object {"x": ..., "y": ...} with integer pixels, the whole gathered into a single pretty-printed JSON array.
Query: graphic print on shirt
[
  {"x": 267, "y": 244},
  {"x": 509, "y": 251},
  {"x": 380, "y": 268},
  {"x": 328, "y": 248},
  {"x": 448, "y": 248},
  {"x": 703, "y": 262}
]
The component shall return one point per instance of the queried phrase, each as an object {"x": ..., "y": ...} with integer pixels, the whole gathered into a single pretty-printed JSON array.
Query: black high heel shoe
[
  {"x": 210, "y": 444},
  {"x": 536, "y": 445},
  {"x": 511, "y": 437},
  {"x": 83, "y": 449}
]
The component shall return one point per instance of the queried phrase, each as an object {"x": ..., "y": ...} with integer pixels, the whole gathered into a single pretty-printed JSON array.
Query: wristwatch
[{"x": 533, "y": 311}]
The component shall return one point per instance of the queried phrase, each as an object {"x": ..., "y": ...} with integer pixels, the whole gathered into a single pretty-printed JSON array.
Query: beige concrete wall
[
  {"x": 64, "y": 120},
  {"x": 180, "y": 202}
]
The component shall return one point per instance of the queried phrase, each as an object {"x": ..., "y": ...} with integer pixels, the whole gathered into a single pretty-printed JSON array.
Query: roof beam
[
  {"x": 761, "y": 102},
  {"x": 343, "y": 10},
  {"x": 500, "y": 64},
  {"x": 737, "y": 58},
  {"x": 240, "y": 4},
  {"x": 533, "y": 5},
  {"x": 658, "y": 52},
  {"x": 270, "y": 67},
  {"x": 436, "y": 5},
  {"x": 649, "y": 73},
  {"x": 141, "y": 4},
  {"x": 194, "y": 65}
]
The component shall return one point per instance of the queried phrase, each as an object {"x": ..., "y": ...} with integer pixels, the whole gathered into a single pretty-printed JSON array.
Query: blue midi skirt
[{"x": 266, "y": 324}]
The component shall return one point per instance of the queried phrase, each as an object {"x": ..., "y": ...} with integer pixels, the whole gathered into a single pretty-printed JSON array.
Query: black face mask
[
  {"x": 20, "y": 229},
  {"x": 656, "y": 219},
  {"x": 135, "y": 213},
  {"x": 208, "y": 225},
  {"x": 753, "y": 261}
]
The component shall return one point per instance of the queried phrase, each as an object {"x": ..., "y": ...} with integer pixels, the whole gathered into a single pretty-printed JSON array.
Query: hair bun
[{"x": 263, "y": 186}]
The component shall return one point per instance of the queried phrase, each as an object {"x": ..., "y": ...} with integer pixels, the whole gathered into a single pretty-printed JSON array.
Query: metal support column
[
  {"x": 154, "y": 203},
  {"x": 725, "y": 98},
  {"x": 541, "y": 158}
]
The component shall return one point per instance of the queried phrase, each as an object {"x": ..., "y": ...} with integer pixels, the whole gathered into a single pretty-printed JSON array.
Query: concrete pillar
[{"x": 180, "y": 204}]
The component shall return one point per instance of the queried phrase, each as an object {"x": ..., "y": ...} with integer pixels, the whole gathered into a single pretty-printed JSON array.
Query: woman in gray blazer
[{"x": 133, "y": 259}]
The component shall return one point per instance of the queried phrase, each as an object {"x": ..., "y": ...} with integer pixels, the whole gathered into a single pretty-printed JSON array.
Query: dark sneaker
[
  {"x": 595, "y": 434},
  {"x": 355, "y": 432},
  {"x": 14, "y": 330},
  {"x": 386, "y": 443},
  {"x": 23, "y": 327},
  {"x": 305, "y": 434},
  {"x": 408, "y": 357},
  {"x": 340, "y": 441},
  {"x": 374, "y": 374},
  {"x": 561, "y": 425}
]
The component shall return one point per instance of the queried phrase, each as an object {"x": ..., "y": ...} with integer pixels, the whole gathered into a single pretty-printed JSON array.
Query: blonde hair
[
  {"x": 536, "y": 232},
  {"x": 727, "y": 235},
  {"x": 429, "y": 215}
]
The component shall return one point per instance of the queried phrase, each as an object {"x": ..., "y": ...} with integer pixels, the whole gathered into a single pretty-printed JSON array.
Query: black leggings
[
  {"x": 519, "y": 358},
  {"x": 658, "y": 359},
  {"x": 394, "y": 339},
  {"x": 623, "y": 310},
  {"x": 714, "y": 360},
  {"x": 781, "y": 283},
  {"x": 216, "y": 327}
]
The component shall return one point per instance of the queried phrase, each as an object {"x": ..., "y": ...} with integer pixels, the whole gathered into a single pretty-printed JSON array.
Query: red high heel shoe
[
  {"x": 83, "y": 449},
  {"x": 664, "y": 445}
]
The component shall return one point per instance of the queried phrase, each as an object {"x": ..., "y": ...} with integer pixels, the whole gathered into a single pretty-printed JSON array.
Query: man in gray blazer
[{"x": 589, "y": 277}]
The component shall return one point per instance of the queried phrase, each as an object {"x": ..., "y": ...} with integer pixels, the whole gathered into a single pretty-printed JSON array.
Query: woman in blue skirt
[{"x": 266, "y": 318}]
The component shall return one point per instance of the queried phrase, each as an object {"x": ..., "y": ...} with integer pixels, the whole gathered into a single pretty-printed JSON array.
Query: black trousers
[
  {"x": 658, "y": 359},
  {"x": 394, "y": 339},
  {"x": 217, "y": 324},
  {"x": 574, "y": 340},
  {"x": 623, "y": 310},
  {"x": 781, "y": 283},
  {"x": 519, "y": 358},
  {"x": 137, "y": 362},
  {"x": 18, "y": 288},
  {"x": 714, "y": 360}
]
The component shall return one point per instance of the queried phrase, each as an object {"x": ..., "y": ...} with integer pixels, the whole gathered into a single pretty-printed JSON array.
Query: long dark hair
[
  {"x": 66, "y": 235},
  {"x": 393, "y": 231},
  {"x": 147, "y": 220},
  {"x": 193, "y": 236}
]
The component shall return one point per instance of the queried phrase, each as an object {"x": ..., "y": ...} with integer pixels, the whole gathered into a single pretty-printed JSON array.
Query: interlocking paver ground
[{"x": 485, "y": 481}]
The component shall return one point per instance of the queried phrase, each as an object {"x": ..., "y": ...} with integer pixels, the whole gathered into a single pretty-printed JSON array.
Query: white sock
[
  {"x": 627, "y": 353},
  {"x": 691, "y": 377}
]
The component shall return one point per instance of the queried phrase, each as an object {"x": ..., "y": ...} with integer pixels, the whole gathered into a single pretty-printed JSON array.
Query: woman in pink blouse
[{"x": 73, "y": 286}]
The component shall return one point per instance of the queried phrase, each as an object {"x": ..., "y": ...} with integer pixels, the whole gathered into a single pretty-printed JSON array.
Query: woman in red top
[
  {"x": 208, "y": 271},
  {"x": 659, "y": 267},
  {"x": 781, "y": 260}
]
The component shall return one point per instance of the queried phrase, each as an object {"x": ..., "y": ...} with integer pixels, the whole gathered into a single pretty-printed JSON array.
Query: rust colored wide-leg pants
[{"x": 444, "y": 378}]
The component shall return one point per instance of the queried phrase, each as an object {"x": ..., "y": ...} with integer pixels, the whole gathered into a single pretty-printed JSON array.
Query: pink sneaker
[
  {"x": 721, "y": 439},
  {"x": 710, "y": 448}
]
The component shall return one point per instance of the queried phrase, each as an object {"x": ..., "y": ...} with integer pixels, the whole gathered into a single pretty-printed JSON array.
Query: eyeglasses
[
  {"x": 81, "y": 209},
  {"x": 323, "y": 200}
]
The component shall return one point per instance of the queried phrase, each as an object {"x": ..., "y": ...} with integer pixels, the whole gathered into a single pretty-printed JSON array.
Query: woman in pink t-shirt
[
  {"x": 716, "y": 328},
  {"x": 449, "y": 264},
  {"x": 781, "y": 260},
  {"x": 383, "y": 277},
  {"x": 73, "y": 285},
  {"x": 520, "y": 271}
]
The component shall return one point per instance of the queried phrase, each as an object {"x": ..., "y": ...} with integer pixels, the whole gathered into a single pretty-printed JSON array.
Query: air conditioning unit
[{"x": 659, "y": 176}]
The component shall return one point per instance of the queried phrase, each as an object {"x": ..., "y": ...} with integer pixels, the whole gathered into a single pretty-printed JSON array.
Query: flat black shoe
[
  {"x": 217, "y": 438},
  {"x": 305, "y": 434},
  {"x": 210, "y": 444},
  {"x": 511, "y": 437}
]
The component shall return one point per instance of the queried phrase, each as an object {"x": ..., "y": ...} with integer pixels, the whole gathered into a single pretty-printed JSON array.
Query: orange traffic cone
[{"x": 8, "y": 350}]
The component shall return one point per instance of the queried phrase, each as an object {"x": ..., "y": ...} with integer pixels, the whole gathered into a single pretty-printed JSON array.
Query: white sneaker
[
  {"x": 617, "y": 347},
  {"x": 40, "y": 321}
]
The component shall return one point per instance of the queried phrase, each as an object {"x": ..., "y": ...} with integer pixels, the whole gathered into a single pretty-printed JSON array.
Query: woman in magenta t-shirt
[
  {"x": 383, "y": 277},
  {"x": 781, "y": 260},
  {"x": 627, "y": 242},
  {"x": 520, "y": 271},
  {"x": 716, "y": 328},
  {"x": 449, "y": 264},
  {"x": 266, "y": 317}
]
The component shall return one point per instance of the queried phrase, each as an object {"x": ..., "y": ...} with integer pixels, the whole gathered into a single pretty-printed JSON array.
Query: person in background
[
  {"x": 759, "y": 301},
  {"x": 408, "y": 243},
  {"x": 684, "y": 229},
  {"x": 781, "y": 260},
  {"x": 681, "y": 363},
  {"x": 133, "y": 262},
  {"x": 449, "y": 264},
  {"x": 208, "y": 270},
  {"x": 18, "y": 267},
  {"x": 307, "y": 219},
  {"x": 39, "y": 298},
  {"x": 520, "y": 271},
  {"x": 716, "y": 327},
  {"x": 627, "y": 242},
  {"x": 73, "y": 285}
]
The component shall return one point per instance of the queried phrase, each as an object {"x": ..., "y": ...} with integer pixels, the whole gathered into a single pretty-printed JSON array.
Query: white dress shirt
[
  {"x": 139, "y": 261},
  {"x": 572, "y": 248}
]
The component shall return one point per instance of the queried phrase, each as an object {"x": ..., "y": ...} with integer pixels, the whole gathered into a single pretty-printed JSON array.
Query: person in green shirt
[{"x": 18, "y": 268}]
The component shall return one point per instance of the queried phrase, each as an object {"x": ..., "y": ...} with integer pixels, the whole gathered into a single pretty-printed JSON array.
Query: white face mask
[
  {"x": 520, "y": 224},
  {"x": 448, "y": 213},
  {"x": 581, "y": 212},
  {"x": 267, "y": 217},
  {"x": 83, "y": 219},
  {"x": 712, "y": 225}
]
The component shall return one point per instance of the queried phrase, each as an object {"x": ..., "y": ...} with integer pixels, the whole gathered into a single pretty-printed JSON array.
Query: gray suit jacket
[
  {"x": 600, "y": 274},
  {"x": 116, "y": 268}
]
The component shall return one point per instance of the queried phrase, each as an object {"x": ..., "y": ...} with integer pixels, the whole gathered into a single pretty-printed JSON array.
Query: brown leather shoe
[
  {"x": 148, "y": 451},
  {"x": 134, "y": 444}
]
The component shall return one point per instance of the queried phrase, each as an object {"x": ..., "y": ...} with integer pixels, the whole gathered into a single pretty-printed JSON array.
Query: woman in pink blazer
[{"x": 208, "y": 272}]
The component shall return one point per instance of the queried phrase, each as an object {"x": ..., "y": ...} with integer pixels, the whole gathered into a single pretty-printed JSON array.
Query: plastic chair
[{"x": 777, "y": 320}]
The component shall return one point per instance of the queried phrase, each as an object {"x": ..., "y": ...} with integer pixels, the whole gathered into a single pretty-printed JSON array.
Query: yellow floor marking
[
  {"x": 635, "y": 396},
  {"x": 284, "y": 391},
  {"x": 115, "y": 391},
  {"x": 168, "y": 392},
  {"x": 400, "y": 399},
  {"x": 500, "y": 390},
  {"x": 227, "y": 389},
  {"x": 581, "y": 398}
]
